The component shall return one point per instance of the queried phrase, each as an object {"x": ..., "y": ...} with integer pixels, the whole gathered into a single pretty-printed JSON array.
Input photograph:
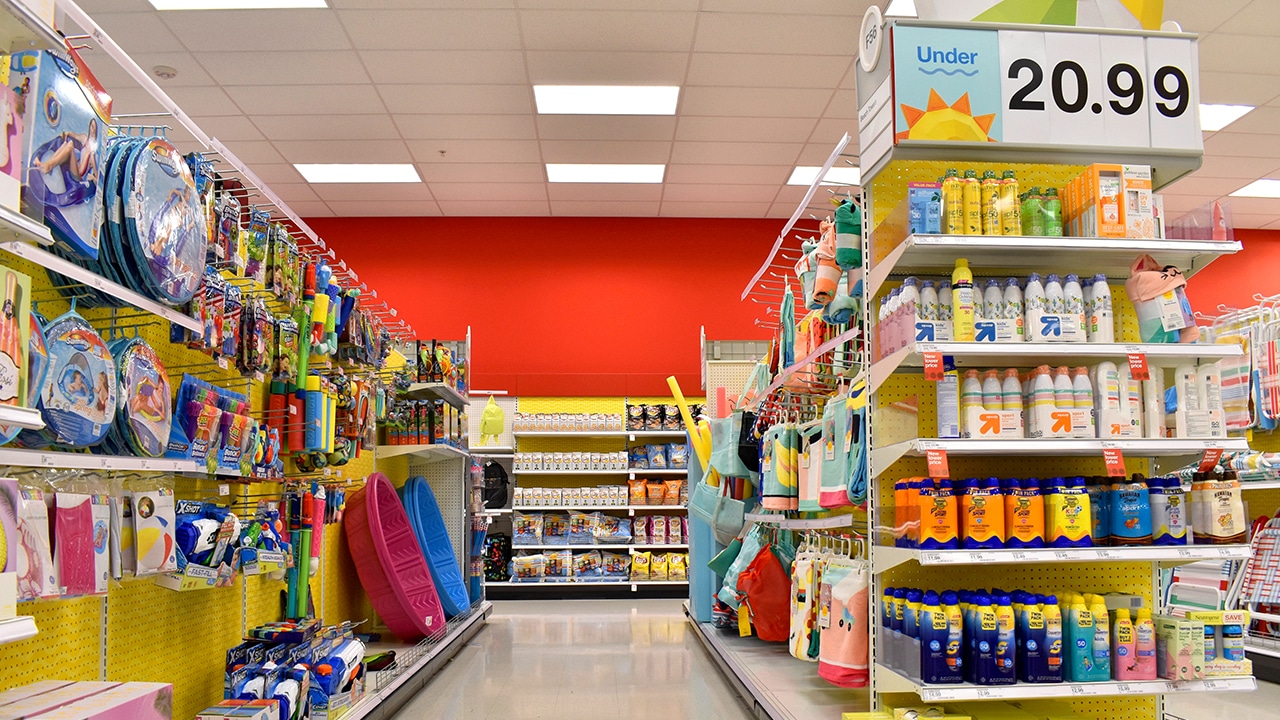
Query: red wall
[
  {"x": 1232, "y": 280},
  {"x": 565, "y": 306}
]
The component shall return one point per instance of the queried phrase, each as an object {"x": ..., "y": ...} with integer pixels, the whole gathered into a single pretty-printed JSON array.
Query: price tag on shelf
[
  {"x": 983, "y": 693},
  {"x": 1138, "y": 369},
  {"x": 1020, "y": 556},
  {"x": 937, "y": 460},
  {"x": 224, "y": 489},
  {"x": 1114, "y": 460},
  {"x": 932, "y": 366},
  {"x": 1210, "y": 459},
  {"x": 930, "y": 694}
]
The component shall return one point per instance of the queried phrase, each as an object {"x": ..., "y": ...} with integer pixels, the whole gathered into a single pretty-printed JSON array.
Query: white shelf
[
  {"x": 631, "y": 509},
  {"x": 787, "y": 523},
  {"x": 492, "y": 451},
  {"x": 660, "y": 471},
  {"x": 572, "y": 472},
  {"x": 632, "y": 546},
  {"x": 883, "y": 457},
  {"x": 25, "y": 418},
  {"x": 436, "y": 391},
  {"x": 495, "y": 511},
  {"x": 890, "y": 681},
  {"x": 49, "y": 261},
  {"x": 991, "y": 255},
  {"x": 1262, "y": 646},
  {"x": 1027, "y": 354},
  {"x": 585, "y": 583},
  {"x": 629, "y": 434},
  {"x": 20, "y": 26},
  {"x": 85, "y": 461},
  {"x": 430, "y": 453},
  {"x": 884, "y": 557},
  {"x": 17, "y": 628}
]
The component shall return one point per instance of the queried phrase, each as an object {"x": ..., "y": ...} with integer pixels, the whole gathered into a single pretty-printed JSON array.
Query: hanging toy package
[
  {"x": 144, "y": 418},
  {"x": 256, "y": 245},
  {"x": 79, "y": 396}
]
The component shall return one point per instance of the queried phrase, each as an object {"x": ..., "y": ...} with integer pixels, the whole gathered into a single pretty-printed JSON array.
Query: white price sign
[{"x": 1046, "y": 88}]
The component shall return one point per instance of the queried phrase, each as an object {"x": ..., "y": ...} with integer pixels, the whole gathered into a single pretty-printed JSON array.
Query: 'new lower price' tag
[
  {"x": 1138, "y": 369},
  {"x": 932, "y": 366},
  {"x": 1115, "y": 462},
  {"x": 1209, "y": 460},
  {"x": 937, "y": 460}
]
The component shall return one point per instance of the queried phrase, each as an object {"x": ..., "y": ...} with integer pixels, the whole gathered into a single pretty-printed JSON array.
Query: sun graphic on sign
[{"x": 940, "y": 121}]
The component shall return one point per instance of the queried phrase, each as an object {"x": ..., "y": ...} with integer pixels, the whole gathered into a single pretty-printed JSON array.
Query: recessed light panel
[
  {"x": 593, "y": 173},
  {"x": 359, "y": 173},
  {"x": 804, "y": 175},
  {"x": 606, "y": 99},
  {"x": 1215, "y": 117},
  {"x": 236, "y": 4},
  {"x": 1264, "y": 188}
]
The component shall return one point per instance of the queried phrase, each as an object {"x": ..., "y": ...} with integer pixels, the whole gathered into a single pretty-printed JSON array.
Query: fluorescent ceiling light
[
  {"x": 901, "y": 8},
  {"x": 569, "y": 173},
  {"x": 236, "y": 4},
  {"x": 606, "y": 99},
  {"x": 804, "y": 175},
  {"x": 359, "y": 173},
  {"x": 1216, "y": 117},
  {"x": 1264, "y": 188}
]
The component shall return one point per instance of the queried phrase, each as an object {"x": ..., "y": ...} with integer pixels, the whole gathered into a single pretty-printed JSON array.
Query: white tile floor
[{"x": 639, "y": 660}]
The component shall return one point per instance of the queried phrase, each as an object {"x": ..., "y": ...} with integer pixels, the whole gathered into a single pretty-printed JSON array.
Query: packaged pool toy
[
  {"x": 66, "y": 113},
  {"x": 256, "y": 245},
  {"x": 233, "y": 308},
  {"x": 164, "y": 222},
  {"x": 78, "y": 399},
  {"x": 153, "y": 528},
  {"x": 226, "y": 244},
  {"x": 81, "y": 531},
  {"x": 144, "y": 418}
]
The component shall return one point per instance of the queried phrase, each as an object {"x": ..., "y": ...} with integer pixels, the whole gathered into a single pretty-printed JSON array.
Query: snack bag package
[
  {"x": 640, "y": 530},
  {"x": 671, "y": 491},
  {"x": 636, "y": 490},
  {"x": 603, "y": 530},
  {"x": 674, "y": 531},
  {"x": 555, "y": 529},
  {"x": 658, "y": 567},
  {"x": 559, "y": 566},
  {"x": 638, "y": 458},
  {"x": 677, "y": 566},
  {"x": 657, "y": 492},
  {"x": 658, "y": 529},
  {"x": 671, "y": 419},
  {"x": 616, "y": 566},
  {"x": 587, "y": 566},
  {"x": 657, "y": 456},
  {"x": 580, "y": 528},
  {"x": 652, "y": 417},
  {"x": 640, "y": 566},
  {"x": 527, "y": 568},
  {"x": 622, "y": 535},
  {"x": 677, "y": 456},
  {"x": 526, "y": 528},
  {"x": 635, "y": 417}
]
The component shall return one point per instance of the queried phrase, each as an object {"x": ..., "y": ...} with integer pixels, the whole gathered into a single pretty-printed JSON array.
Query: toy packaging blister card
[
  {"x": 256, "y": 246},
  {"x": 37, "y": 369},
  {"x": 66, "y": 113},
  {"x": 15, "y": 327},
  {"x": 11, "y": 170},
  {"x": 233, "y": 307},
  {"x": 81, "y": 530},
  {"x": 122, "y": 548},
  {"x": 225, "y": 244},
  {"x": 37, "y": 573}
]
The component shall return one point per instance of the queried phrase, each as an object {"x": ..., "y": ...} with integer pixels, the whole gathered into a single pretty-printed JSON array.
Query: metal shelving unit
[
  {"x": 891, "y": 681},
  {"x": 437, "y": 391},
  {"x": 428, "y": 453}
]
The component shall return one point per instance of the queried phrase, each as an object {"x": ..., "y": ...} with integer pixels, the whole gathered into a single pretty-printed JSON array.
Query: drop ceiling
[{"x": 766, "y": 85}]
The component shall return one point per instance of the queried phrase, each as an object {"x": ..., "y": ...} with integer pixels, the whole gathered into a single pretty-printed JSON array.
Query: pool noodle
[
  {"x": 291, "y": 601},
  {"x": 693, "y": 428},
  {"x": 304, "y": 570}
]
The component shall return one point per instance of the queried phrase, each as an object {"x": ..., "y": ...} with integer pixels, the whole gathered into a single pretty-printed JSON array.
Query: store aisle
[{"x": 589, "y": 659}]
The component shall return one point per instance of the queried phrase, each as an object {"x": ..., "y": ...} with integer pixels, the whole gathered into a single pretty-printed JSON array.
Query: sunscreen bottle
[
  {"x": 1130, "y": 512},
  {"x": 1053, "y": 643},
  {"x": 1168, "y": 511},
  {"x": 990, "y": 203},
  {"x": 1070, "y": 522},
  {"x": 1010, "y": 208},
  {"x": 955, "y": 638},
  {"x": 983, "y": 515},
  {"x": 952, "y": 204},
  {"x": 1144, "y": 632},
  {"x": 939, "y": 524},
  {"x": 972, "y": 198},
  {"x": 934, "y": 638},
  {"x": 1024, "y": 514},
  {"x": 1080, "y": 663},
  {"x": 1101, "y": 670},
  {"x": 987, "y": 635},
  {"x": 1100, "y": 506},
  {"x": 1005, "y": 670},
  {"x": 962, "y": 302},
  {"x": 1124, "y": 647}
]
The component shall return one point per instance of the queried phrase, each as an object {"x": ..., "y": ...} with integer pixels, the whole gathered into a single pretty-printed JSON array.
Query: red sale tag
[
  {"x": 1115, "y": 462},
  {"x": 1138, "y": 366},
  {"x": 937, "y": 460},
  {"x": 1209, "y": 460},
  {"x": 932, "y": 366}
]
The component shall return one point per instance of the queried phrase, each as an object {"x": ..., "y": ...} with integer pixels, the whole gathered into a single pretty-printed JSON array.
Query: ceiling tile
[
  {"x": 326, "y": 127},
  {"x": 1226, "y": 52},
  {"x": 466, "y": 127},
  {"x": 715, "y": 193},
  {"x": 1212, "y": 187},
  {"x": 604, "y": 192},
  {"x": 844, "y": 104},
  {"x": 817, "y": 154},
  {"x": 227, "y": 31},
  {"x": 370, "y": 192},
  {"x": 466, "y": 208},
  {"x": 295, "y": 193},
  {"x": 193, "y": 100},
  {"x": 571, "y": 208},
  {"x": 461, "y": 67},
  {"x": 1242, "y": 145},
  {"x": 1177, "y": 205},
  {"x": 475, "y": 151},
  {"x": 228, "y": 127},
  {"x": 139, "y": 31},
  {"x": 270, "y": 173},
  {"x": 605, "y": 127},
  {"x": 110, "y": 74},
  {"x": 1254, "y": 220},
  {"x": 606, "y": 68},
  {"x": 1253, "y": 206},
  {"x": 830, "y": 131},
  {"x": 489, "y": 192},
  {"x": 854, "y": 8},
  {"x": 605, "y": 151},
  {"x": 500, "y": 172},
  {"x": 388, "y": 208},
  {"x": 1254, "y": 18},
  {"x": 714, "y": 209},
  {"x": 1237, "y": 167},
  {"x": 754, "y": 102},
  {"x": 285, "y": 68},
  {"x": 343, "y": 151},
  {"x": 728, "y": 174},
  {"x": 458, "y": 99},
  {"x": 1263, "y": 120},
  {"x": 780, "y": 210},
  {"x": 419, "y": 4},
  {"x": 730, "y": 32},
  {"x": 454, "y": 29},
  {"x": 311, "y": 209},
  {"x": 101, "y": 7},
  {"x": 255, "y": 153},
  {"x": 715, "y": 129},
  {"x": 734, "y": 153},
  {"x": 607, "y": 30},
  {"x": 678, "y": 5},
  {"x": 1234, "y": 88},
  {"x": 1199, "y": 16},
  {"x": 307, "y": 99},
  {"x": 750, "y": 70}
]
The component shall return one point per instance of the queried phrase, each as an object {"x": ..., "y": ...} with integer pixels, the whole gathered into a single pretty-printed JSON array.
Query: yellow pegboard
[{"x": 66, "y": 648}]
